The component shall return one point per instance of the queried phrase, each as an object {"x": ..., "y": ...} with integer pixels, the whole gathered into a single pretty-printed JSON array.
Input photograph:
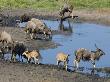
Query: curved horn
[
  {"x": 103, "y": 52},
  {"x": 96, "y": 46}
]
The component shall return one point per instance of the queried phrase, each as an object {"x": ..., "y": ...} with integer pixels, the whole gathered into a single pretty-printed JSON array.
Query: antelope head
[{"x": 98, "y": 50}]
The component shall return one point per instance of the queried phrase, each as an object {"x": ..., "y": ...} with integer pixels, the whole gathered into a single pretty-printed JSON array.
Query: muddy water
[{"x": 84, "y": 35}]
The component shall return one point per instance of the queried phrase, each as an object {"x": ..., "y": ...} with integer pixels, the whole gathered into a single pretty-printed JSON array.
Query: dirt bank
[
  {"x": 22, "y": 72},
  {"x": 101, "y": 16},
  {"x": 18, "y": 34}
]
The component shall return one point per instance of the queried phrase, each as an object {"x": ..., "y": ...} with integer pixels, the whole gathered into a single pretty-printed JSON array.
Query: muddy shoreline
[
  {"x": 18, "y": 34},
  {"x": 22, "y": 72},
  {"x": 99, "y": 16}
]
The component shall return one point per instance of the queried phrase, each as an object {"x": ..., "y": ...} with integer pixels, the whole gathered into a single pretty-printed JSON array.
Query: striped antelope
[
  {"x": 36, "y": 26},
  {"x": 86, "y": 55},
  {"x": 66, "y": 9}
]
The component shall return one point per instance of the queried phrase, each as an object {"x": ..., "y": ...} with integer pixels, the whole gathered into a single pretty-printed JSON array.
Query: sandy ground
[{"x": 22, "y": 72}]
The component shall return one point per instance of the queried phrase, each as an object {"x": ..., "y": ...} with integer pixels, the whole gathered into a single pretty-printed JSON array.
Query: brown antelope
[
  {"x": 86, "y": 55},
  {"x": 7, "y": 41},
  {"x": 62, "y": 57},
  {"x": 39, "y": 24},
  {"x": 5, "y": 37},
  {"x": 36, "y": 26},
  {"x": 32, "y": 54},
  {"x": 66, "y": 8}
]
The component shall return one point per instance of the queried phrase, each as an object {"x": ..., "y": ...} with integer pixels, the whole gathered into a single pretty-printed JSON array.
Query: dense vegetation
[{"x": 53, "y": 4}]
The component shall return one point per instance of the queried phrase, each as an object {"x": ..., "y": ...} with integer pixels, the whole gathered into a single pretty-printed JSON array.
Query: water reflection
[{"x": 63, "y": 28}]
